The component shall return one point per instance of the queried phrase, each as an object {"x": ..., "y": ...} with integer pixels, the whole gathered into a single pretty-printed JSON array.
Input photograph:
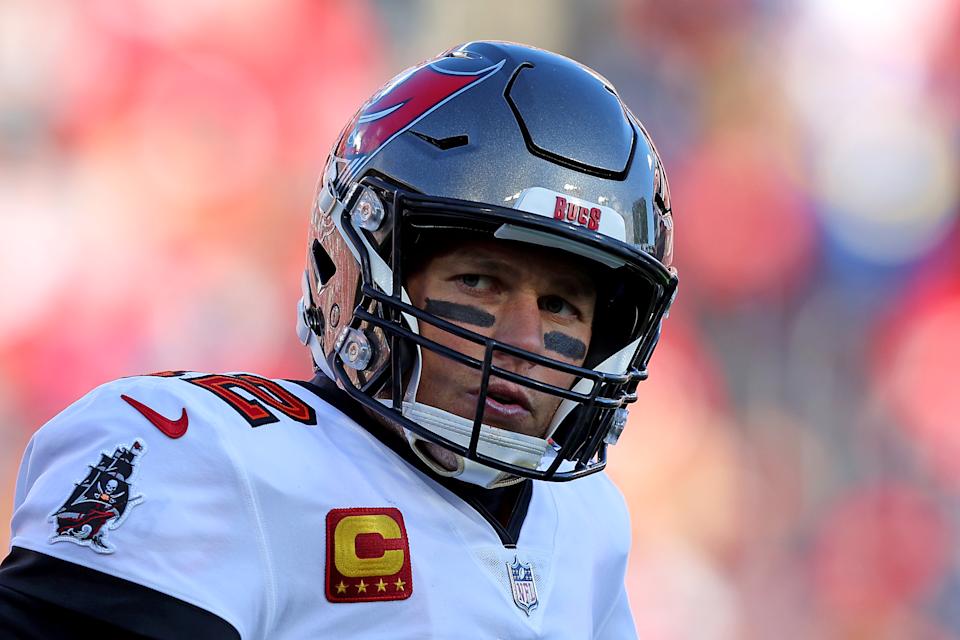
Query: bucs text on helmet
[{"x": 508, "y": 142}]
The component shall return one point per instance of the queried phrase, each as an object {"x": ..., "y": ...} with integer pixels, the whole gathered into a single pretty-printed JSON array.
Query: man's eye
[
  {"x": 557, "y": 306},
  {"x": 474, "y": 281}
]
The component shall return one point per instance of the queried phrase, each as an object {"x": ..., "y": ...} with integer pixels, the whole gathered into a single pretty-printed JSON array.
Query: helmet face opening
[{"x": 466, "y": 148}]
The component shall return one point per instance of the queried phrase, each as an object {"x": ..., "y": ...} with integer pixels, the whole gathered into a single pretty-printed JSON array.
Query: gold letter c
[{"x": 345, "y": 546}]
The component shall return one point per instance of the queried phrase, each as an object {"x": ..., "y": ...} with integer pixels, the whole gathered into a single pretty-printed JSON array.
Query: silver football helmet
[{"x": 517, "y": 144}]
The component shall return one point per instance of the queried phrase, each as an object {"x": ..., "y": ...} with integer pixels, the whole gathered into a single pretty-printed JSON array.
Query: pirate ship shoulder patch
[{"x": 101, "y": 501}]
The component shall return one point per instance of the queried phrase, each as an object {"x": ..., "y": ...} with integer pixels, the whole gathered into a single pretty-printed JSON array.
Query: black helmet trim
[{"x": 557, "y": 158}]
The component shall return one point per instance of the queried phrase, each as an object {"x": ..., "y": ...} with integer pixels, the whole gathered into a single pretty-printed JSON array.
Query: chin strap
[{"x": 507, "y": 446}]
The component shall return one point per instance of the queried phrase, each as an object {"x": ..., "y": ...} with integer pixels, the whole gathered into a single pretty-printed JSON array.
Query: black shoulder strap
[{"x": 45, "y": 597}]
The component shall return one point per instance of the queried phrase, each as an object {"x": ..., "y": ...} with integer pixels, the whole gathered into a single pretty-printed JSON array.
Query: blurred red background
[{"x": 793, "y": 467}]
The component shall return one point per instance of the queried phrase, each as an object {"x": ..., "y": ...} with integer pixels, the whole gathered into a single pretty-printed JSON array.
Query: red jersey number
[{"x": 260, "y": 401}]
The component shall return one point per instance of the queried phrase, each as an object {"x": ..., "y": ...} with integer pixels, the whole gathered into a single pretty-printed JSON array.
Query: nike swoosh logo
[{"x": 170, "y": 428}]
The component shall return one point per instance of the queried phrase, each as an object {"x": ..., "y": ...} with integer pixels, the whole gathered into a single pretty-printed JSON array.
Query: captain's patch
[
  {"x": 101, "y": 501},
  {"x": 368, "y": 556}
]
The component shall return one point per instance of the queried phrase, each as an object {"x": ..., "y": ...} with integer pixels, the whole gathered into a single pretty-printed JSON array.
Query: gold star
[
  {"x": 381, "y": 586},
  {"x": 399, "y": 584},
  {"x": 341, "y": 588},
  {"x": 362, "y": 587}
]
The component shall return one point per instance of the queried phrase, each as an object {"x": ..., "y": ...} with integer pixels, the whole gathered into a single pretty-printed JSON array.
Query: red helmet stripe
[{"x": 400, "y": 106}]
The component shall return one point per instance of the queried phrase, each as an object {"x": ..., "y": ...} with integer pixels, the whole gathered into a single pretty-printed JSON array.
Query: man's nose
[{"x": 521, "y": 326}]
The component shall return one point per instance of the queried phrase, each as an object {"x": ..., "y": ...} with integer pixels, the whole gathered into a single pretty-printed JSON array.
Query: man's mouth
[{"x": 505, "y": 401}]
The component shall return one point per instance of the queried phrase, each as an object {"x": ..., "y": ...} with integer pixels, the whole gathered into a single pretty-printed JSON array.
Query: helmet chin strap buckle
[
  {"x": 617, "y": 425},
  {"x": 303, "y": 328}
]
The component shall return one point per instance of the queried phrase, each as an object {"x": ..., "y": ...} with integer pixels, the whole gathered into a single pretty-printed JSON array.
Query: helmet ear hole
[{"x": 322, "y": 263}]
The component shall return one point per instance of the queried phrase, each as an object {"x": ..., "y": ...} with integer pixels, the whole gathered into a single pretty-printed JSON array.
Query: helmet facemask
[{"x": 374, "y": 349}]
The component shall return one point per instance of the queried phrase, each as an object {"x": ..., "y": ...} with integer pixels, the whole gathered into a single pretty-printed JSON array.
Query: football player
[{"x": 488, "y": 267}]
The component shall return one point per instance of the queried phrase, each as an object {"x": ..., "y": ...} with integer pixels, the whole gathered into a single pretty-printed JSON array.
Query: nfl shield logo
[{"x": 523, "y": 585}]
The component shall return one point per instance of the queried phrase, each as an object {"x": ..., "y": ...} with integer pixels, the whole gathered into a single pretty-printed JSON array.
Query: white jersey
[{"x": 264, "y": 505}]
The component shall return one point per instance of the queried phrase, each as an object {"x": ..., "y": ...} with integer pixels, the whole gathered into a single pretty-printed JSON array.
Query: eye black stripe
[
  {"x": 460, "y": 313},
  {"x": 565, "y": 345}
]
